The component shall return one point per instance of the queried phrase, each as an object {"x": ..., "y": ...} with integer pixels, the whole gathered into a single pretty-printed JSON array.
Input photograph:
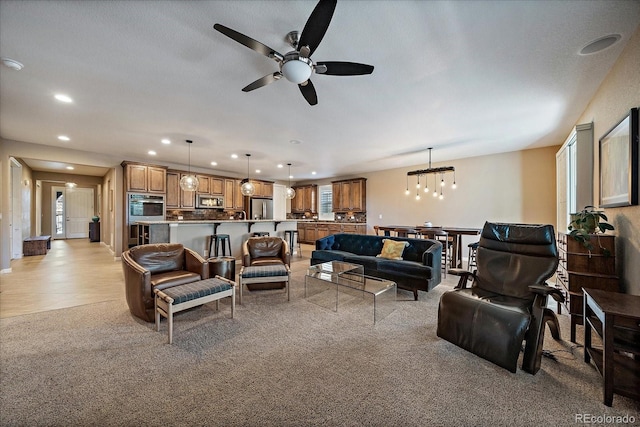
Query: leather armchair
[
  {"x": 158, "y": 266},
  {"x": 268, "y": 250},
  {"x": 507, "y": 300}
]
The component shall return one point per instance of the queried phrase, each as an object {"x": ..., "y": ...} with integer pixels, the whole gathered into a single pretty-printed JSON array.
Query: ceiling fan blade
[
  {"x": 339, "y": 68},
  {"x": 309, "y": 92},
  {"x": 317, "y": 25},
  {"x": 249, "y": 42},
  {"x": 269, "y": 78}
]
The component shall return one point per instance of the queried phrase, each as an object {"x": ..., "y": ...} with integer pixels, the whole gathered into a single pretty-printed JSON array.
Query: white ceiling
[{"x": 467, "y": 78}]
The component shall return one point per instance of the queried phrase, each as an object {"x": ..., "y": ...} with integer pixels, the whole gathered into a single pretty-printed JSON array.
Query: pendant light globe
[
  {"x": 247, "y": 188},
  {"x": 289, "y": 193},
  {"x": 189, "y": 182}
]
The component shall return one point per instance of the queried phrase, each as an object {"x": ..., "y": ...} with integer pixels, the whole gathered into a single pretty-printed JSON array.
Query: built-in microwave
[{"x": 210, "y": 202}]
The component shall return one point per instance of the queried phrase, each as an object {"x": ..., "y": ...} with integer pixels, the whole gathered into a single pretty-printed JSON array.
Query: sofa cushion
[
  {"x": 370, "y": 263},
  {"x": 404, "y": 268},
  {"x": 173, "y": 278},
  {"x": 392, "y": 249},
  {"x": 323, "y": 255},
  {"x": 267, "y": 260}
]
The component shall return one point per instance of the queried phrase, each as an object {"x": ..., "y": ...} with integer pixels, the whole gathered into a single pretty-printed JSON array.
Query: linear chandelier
[{"x": 441, "y": 171}]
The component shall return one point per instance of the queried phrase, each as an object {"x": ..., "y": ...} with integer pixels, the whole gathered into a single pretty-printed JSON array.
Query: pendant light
[
  {"x": 189, "y": 182},
  {"x": 248, "y": 189},
  {"x": 289, "y": 193}
]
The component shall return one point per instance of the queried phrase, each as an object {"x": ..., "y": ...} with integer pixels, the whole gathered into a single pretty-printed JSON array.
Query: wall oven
[{"x": 143, "y": 207}]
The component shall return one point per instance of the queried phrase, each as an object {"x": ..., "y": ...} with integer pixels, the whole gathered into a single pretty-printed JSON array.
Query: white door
[
  {"x": 72, "y": 211},
  {"x": 79, "y": 212},
  {"x": 279, "y": 202}
]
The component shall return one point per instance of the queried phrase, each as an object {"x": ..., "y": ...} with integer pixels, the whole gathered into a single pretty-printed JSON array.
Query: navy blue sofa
[{"x": 418, "y": 270}]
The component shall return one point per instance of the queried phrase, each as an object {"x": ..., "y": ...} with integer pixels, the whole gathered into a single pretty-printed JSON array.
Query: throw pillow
[{"x": 392, "y": 249}]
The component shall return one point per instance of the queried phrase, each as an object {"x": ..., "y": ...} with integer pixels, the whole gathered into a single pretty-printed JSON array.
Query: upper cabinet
[
  {"x": 210, "y": 185},
  {"x": 233, "y": 198},
  {"x": 145, "y": 178},
  {"x": 305, "y": 199},
  {"x": 177, "y": 198},
  {"x": 350, "y": 195},
  {"x": 263, "y": 188}
]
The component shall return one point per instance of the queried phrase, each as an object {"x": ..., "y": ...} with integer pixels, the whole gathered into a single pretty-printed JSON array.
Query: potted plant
[{"x": 586, "y": 223}]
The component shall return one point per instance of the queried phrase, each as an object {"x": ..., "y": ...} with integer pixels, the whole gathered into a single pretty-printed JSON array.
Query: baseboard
[{"x": 5, "y": 270}]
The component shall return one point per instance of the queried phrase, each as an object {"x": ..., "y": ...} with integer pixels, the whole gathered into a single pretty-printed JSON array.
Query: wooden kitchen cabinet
[
  {"x": 263, "y": 188},
  {"x": 349, "y": 195},
  {"x": 177, "y": 198},
  {"x": 305, "y": 199},
  {"x": 233, "y": 198},
  {"x": 172, "y": 200},
  {"x": 210, "y": 185},
  {"x": 309, "y": 232},
  {"x": 143, "y": 178}
]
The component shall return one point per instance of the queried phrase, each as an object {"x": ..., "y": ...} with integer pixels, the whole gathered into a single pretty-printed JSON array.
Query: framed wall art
[{"x": 619, "y": 163}]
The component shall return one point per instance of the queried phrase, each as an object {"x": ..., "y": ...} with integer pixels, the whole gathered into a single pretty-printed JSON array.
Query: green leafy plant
[{"x": 587, "y": 222}]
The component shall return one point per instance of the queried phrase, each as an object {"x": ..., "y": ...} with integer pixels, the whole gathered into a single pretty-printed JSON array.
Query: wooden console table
[{"x": 615, "y": 317}]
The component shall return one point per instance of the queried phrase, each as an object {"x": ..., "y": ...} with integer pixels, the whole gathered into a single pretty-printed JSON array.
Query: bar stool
[
  {"x": 220, "y": 239},
  {"x": 291, "y": 236},
  {"x": 473, "y": 250}
]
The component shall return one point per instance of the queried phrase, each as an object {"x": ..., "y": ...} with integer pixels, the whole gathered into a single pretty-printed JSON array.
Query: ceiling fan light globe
[{"x": 296, "y": 71}]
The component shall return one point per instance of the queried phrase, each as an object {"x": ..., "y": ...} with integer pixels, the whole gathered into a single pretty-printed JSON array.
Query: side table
[{"x": 615, "y": 318}]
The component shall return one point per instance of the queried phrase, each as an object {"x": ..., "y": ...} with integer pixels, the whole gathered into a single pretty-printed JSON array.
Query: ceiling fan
[{"x": 297, "y": 66}]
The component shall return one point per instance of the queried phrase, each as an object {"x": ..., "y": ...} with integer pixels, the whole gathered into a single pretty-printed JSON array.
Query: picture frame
[{"x": 619, "y": 147}]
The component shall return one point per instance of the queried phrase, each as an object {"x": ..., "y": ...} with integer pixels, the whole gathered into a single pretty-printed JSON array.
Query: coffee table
[{"x": 324, "y": 283}]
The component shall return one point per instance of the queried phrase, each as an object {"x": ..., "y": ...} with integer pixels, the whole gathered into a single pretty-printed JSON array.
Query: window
[{"x": 325, "y": 199}]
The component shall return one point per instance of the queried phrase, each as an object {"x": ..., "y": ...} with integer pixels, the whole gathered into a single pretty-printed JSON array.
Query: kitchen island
[{"x": 194, "y": 234}]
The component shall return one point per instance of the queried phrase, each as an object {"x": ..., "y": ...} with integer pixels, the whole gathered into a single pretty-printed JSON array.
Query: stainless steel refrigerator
[{"x": 261, "y": 209}]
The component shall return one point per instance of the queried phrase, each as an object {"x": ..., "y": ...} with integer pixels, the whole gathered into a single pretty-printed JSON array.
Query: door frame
[{"x": 15, "y": 216}]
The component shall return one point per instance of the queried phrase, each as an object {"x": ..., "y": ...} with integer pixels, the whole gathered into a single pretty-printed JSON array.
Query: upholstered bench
[
  {"x": 177, "y": 298},
  {"x": 265, "y": 274}
]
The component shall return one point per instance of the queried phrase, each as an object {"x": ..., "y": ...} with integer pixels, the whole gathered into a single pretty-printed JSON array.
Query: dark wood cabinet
[
  {"x": 580, "y": 268},
  {"x": 94, "y": 231},
  {"x": 305, "y": 199},
  {"x": 309, "y": 232},
  {"x": 142, "y": 178},
  {"x": 350, "y": 195}
]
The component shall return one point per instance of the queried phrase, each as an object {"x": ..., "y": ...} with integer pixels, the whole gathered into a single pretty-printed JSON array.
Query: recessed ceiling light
[
  {"x": 63, "y": 98},
  {"x": 64, "y": 138},
  {"x": 214, "y": 163},
  {"x": 70, "y": 168},
  {"x": 152, "y": 153},
  {"x": 280, "y": 165},
  {"x": 166, "y": 141},
  {"x": 295, "y": 141},
  {"x": 600, "y": 44},
  {"x": 12, "y": 63},
  {"x": 234, "y": 156},
  {"x": 313, "y": 172}
]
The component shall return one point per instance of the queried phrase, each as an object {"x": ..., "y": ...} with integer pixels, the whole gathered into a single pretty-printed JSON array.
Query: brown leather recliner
[
  {"x": 507, "y": 301},
  {"x": 267, "y": 250},
  {"x": 158, "y": 266}
]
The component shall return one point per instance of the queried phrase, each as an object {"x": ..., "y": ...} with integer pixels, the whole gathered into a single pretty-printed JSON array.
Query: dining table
[{"x": 456, "y": 234}]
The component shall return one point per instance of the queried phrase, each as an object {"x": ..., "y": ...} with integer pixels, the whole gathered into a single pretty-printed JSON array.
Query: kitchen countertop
[{"x": 215, "y": 221}]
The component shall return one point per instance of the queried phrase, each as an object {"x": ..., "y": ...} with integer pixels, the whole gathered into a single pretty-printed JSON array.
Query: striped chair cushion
[
  {"x": 195, "y": 290},
  {"x": 264, "y": 271}
]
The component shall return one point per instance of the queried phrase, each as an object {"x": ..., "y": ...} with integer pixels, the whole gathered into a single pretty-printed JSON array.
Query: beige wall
[
  {"x": 509, "y": 187},
  {"x": 619, "y": 92}
]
